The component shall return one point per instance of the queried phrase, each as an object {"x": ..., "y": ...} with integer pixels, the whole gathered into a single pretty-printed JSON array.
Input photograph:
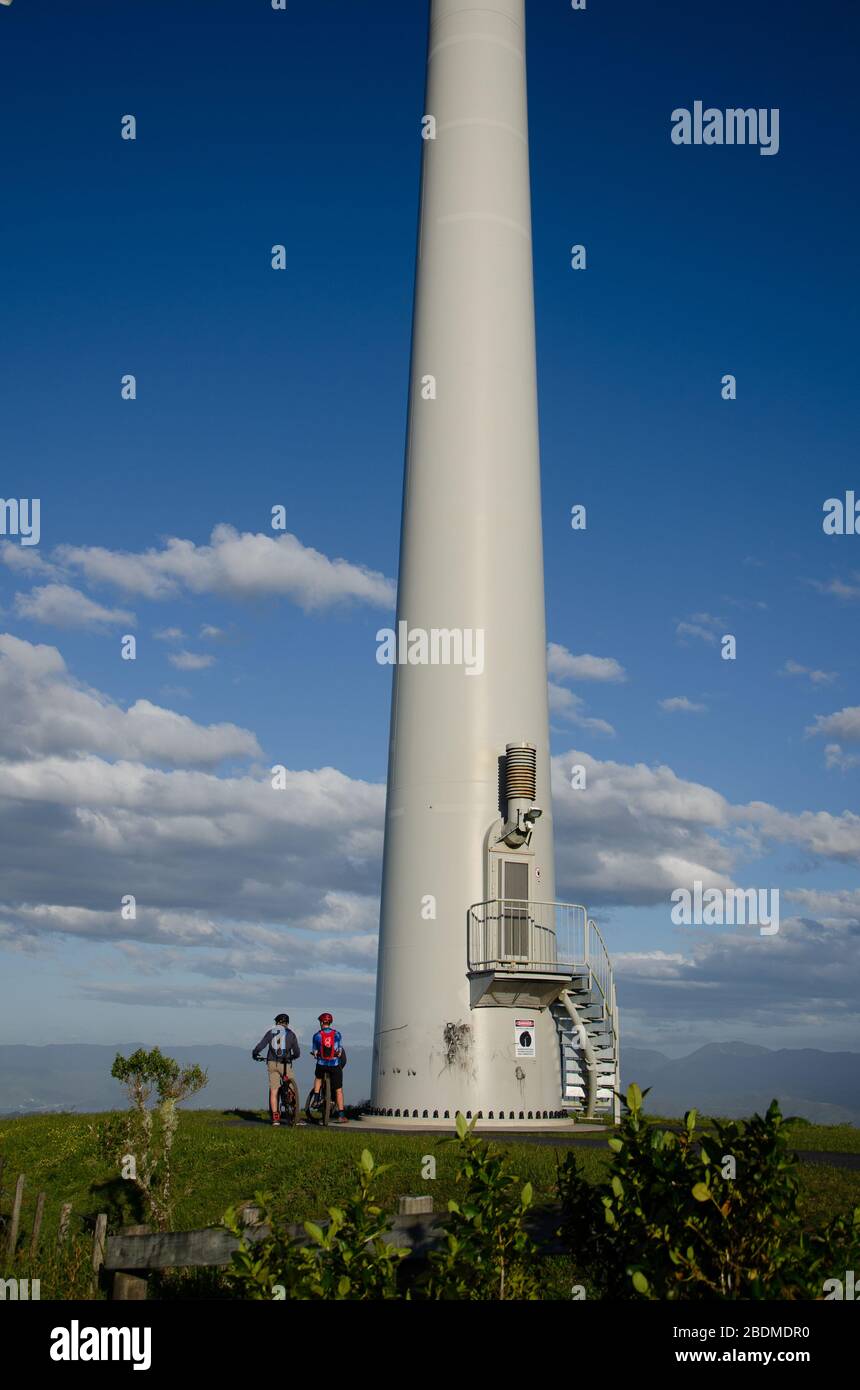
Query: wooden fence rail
[
  {"x": 136, "y": 1252},
  {"x": 133, "y": 1256}
]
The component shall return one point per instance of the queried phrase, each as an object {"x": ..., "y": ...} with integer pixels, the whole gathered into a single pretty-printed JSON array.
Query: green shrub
[
  {"x": 488, "y": 1253},
  {"x": 346, "y": 1259},
  {"x": 671, "y": 1222}
]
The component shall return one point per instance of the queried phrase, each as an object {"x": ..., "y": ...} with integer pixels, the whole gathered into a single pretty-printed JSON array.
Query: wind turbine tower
[{"x": 492, "y": 999}]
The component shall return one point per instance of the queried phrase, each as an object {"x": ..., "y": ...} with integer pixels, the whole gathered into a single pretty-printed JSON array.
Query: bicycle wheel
[
  {"x": 312, "y": 1106},
  {"x": 326, "y": 1091},
  {"x": 283, "y": 1102},
  {"x": 292, "y": 1104}
]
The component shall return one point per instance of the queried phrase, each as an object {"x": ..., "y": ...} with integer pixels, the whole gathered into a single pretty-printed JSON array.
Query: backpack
[
  {"x": 278, "y": 1041},
  {"x": 327, "y": 1045}
]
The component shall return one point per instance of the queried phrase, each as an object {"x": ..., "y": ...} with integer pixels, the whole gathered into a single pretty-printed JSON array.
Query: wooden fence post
[
  {"x": 414, "y": 1206},
  {"x": 15, "y": 1218},
  {"x": 37, "y": 1225},
  {"x": 98, "y": 1248},
  {"x": 126, "y": 1285},
  {"x": 63, "y": 1228}
]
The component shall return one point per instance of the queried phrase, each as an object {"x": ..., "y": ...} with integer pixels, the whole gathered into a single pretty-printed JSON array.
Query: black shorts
[{"x": 336, "y": 1074}]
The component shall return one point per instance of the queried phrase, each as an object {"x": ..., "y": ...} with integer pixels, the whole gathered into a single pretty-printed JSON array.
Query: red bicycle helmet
[{"x": 325, "y": 1020}]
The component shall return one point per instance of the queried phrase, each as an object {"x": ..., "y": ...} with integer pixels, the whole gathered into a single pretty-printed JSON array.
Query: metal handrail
[
  {"x": 515, "y": 934},
  {"x": 601, "y": 969}
]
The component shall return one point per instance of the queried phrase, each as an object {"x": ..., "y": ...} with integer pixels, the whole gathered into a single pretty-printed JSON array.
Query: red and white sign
[{"x": 524, "y": 1037}]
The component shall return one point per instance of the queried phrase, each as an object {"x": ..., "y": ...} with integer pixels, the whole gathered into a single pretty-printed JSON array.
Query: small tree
[
  {"x": 146, "y": 1134},
  {"x": 488, "y": 1254}
]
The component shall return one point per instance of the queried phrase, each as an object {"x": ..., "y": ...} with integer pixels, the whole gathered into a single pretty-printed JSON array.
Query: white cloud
[
  {"x": 831, "y": 907},
  {"x": 680, "y": 703},
  {"x": 247, "y": 875},
  {"x": 844, "y": 723},
  {"x": 61, "y": 606},
  {"x": 26, "y": 560},
  {"x": 838, "y": 588},
  {"x": 818, "y": 833},
  {"x": 47, "y": 712},
  {"x": 835, "y": 757},
  {"x": 243, "y": 566},
  {"x": 190, "y": 661},
  {"x": 344, "y": 912},
  {"x": 703, "y": 626},
  {"x": 237, "y": 883},
  {"x": 756, "y": 604},
  {"x": 636, "y": 832},
  {"x": 242, "y": 879},
  {"x": 566, "y": 666},
  {"x": 569, "y": 706},
  {"x": 794, "y": 668},
  {"x": 806, "y": 977}
]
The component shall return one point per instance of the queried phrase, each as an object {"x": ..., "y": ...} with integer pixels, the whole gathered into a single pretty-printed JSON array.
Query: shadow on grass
[{"x": 121, "y": 1202}]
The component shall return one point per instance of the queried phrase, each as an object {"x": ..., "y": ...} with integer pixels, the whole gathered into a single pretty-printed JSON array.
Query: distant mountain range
[
  {"x": 733, "y": 1079},
  {"x": 76, "y": 1076},
  {"x": 738, "y": 1078}
]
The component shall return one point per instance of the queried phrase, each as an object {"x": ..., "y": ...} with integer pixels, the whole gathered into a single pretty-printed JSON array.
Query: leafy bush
[
  {"x": 673, "y": 1222},
  {"x": 488, "y": 1253},
  {"x": 145, "y": 1135},
  {"x": 346, "y": 1259}
]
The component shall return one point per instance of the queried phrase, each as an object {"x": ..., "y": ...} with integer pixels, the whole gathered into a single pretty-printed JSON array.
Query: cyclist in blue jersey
[{"x": 327, "y": 1048}]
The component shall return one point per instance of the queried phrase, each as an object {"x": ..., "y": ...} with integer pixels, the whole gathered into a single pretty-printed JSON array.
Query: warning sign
[{"x": 524, "y": 1037}]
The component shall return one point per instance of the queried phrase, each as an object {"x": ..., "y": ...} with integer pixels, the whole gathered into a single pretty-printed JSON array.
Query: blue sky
[{"x": 258, "y": 388}]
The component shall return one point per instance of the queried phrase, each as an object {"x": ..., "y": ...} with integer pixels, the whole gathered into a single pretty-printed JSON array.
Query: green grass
[
  {"x": 801, "y": 1134},
  {"x": 834, "y": 1139},
  {"x": 218, "y": 1163},
  {"x": 826, "y": 1191}
]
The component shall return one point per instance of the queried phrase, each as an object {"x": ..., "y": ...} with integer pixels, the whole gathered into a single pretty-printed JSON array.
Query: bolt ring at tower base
[{"x": 554, "y": 1120}]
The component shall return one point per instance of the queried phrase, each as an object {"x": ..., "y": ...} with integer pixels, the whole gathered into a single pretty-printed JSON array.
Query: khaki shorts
[{"x": 276, "y": 1071}]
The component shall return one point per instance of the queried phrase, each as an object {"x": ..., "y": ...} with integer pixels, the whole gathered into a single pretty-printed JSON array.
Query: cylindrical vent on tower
[{"x": 520, "y": 771}]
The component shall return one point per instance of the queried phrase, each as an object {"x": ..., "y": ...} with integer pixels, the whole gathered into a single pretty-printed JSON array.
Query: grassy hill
[{"x": 219, "y": 1161}]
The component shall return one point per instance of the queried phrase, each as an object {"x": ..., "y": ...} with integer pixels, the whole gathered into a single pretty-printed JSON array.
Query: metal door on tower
[{"x": 515, "y": 918}]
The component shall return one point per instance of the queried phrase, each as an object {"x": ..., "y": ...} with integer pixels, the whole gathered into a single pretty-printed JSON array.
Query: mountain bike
[
  {"x": 288, "y": 1100},
  {"x": 318, "y": 1106}
]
